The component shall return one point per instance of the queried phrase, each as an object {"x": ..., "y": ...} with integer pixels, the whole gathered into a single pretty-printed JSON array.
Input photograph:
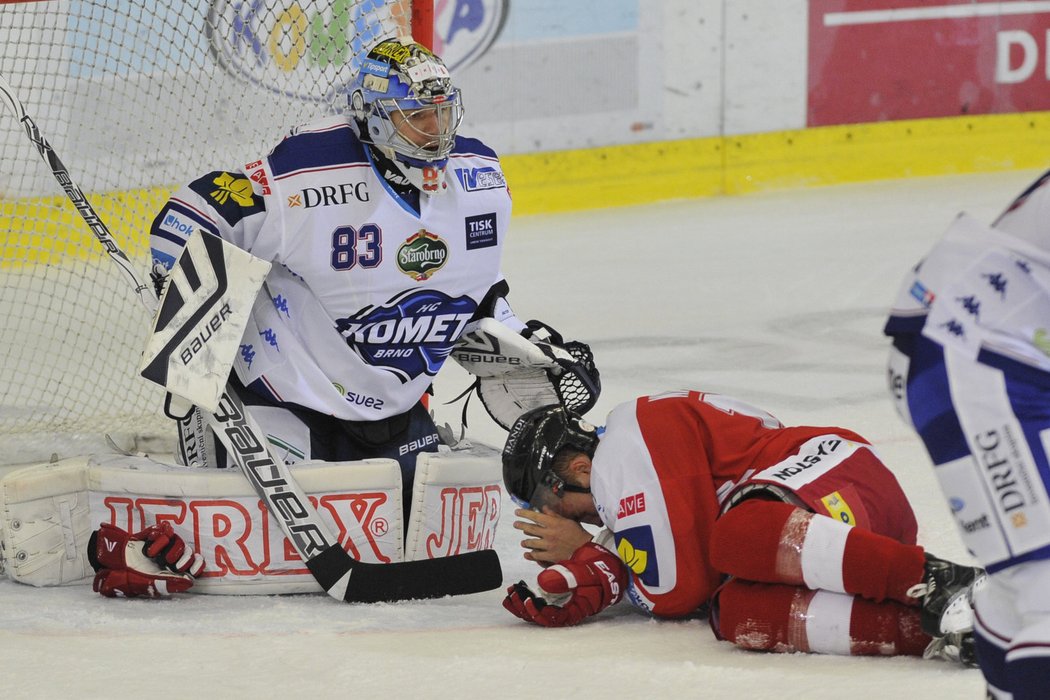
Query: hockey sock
[
  {"x": 781, "y": 618},
  {"x": 878, "y": 567},
  {"x": 785, "y": 544}
]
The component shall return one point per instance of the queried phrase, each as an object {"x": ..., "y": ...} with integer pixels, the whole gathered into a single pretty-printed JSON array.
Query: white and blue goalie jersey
[{"x": 366, "y": 296}]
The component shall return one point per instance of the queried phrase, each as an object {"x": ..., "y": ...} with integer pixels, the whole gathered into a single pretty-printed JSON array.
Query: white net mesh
[{"x": 136, "y": 98}]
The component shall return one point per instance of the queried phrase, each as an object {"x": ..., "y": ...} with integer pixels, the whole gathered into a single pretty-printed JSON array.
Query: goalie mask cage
[{"x": 137, "y": 97}]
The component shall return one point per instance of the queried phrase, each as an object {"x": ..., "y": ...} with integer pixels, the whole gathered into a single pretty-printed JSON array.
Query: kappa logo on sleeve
[{"x": 635, "y": 546}]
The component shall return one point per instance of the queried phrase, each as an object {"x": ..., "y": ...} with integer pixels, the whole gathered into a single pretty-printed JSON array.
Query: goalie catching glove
[
  {"x": 592, "y": 580},
  {"x": 153, "y": 563},
  {"x": 519, "y": 372}
]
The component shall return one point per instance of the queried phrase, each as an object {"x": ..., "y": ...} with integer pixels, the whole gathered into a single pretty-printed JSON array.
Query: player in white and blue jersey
[
  {"x": 970, "y": 371},
  {"x": 385, "y": 229}
]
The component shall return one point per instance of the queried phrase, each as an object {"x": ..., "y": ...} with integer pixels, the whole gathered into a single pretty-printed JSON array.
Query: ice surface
[{"x": 777, "y": 299}]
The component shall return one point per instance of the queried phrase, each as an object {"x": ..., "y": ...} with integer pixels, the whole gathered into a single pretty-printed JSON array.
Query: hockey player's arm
[{"x": 221, "y": 203}]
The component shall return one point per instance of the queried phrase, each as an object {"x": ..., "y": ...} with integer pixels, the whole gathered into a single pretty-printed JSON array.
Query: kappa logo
[{"x": 239, "y": 189}]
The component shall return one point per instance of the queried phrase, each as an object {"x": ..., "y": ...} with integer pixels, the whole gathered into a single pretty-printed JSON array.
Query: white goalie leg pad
[
  {"x": 456, "y": 501},
  {"x": 46, "y": 523},
  {"x": 220, "y": 515},
  {"x": 49, "y": 512},
  {"x": 203, "y": 313}
]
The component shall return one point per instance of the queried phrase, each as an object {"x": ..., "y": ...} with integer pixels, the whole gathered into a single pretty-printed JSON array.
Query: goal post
[{"x": 139, "y": 97}]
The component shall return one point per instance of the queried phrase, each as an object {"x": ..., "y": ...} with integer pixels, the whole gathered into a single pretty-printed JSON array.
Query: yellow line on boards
[{"x": 47, "y": 230}]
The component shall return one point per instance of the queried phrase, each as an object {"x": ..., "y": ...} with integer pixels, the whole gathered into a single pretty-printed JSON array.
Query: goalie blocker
[{"x": 519, "y": 372}]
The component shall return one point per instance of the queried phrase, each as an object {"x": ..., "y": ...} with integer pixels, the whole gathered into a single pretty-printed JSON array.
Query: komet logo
[{"x": 299, "y": 50}]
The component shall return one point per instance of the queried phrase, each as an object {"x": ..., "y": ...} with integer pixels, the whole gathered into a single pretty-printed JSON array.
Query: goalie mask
[
  {"x": 534, "y": 442},
  {"x": 402, "y": 101}
]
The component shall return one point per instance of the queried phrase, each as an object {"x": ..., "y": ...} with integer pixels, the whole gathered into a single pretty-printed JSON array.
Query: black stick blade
[{"x": 460, "y": 574}]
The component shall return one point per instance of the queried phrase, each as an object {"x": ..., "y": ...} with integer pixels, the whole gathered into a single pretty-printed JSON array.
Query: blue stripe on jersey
[
  {"x": 896, "y": 325},
  {"x": 317, "y": 149},
  {"x": 467, "y": 146}
]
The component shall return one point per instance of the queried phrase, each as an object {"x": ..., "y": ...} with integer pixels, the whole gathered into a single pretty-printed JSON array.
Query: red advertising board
[{"x": 881, "y": 60}]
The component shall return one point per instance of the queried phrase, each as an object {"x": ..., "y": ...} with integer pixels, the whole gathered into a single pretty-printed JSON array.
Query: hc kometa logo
[{"x": 312, "y": 50}]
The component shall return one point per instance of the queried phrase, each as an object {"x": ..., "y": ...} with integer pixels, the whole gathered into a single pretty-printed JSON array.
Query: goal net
[{"x": 137, "y": 98}]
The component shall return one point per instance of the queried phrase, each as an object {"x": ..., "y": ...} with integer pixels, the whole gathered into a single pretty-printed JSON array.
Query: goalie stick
[{"x": 341, "y": 576}]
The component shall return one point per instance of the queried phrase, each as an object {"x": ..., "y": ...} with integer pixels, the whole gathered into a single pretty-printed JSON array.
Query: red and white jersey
[{"x": 666, "y": 463}]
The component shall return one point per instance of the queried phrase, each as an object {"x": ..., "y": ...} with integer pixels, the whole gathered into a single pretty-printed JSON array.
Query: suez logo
[{"x": 330, "y": 195}]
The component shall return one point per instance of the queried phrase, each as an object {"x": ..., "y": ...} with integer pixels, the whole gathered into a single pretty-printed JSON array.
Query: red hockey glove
[
  {"x": 154, "y": 562},
  {"x": 593, "y": 579}
]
